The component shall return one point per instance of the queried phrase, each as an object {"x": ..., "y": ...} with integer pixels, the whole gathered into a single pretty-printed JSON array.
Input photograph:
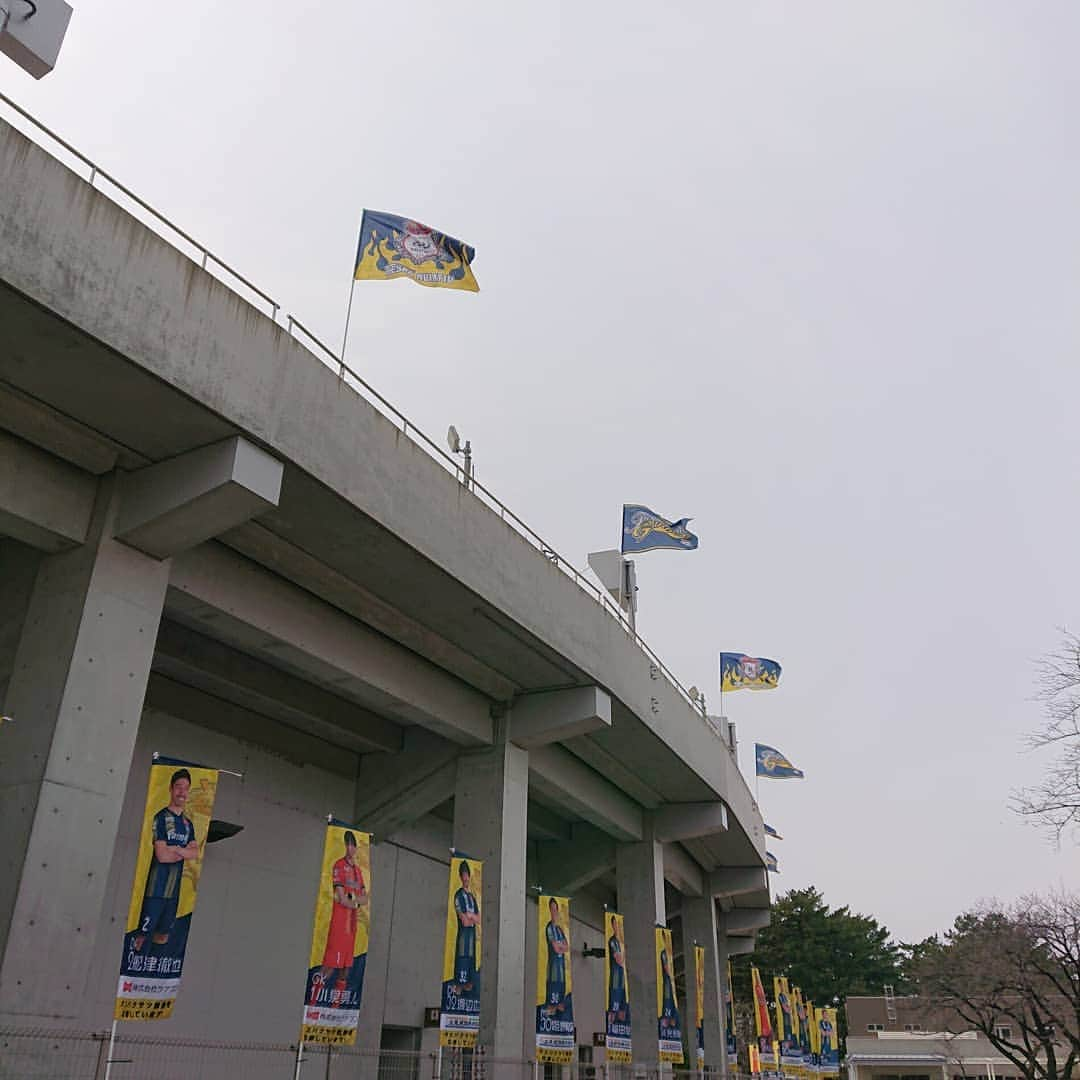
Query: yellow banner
[
  {"x": 459, "y": 1015},
  {"x": 339, "y": 938},
  {"x": 616, "y": 991},
  {"x": 699, "y": 999},
  {"x": 556, "y": 1035},
  {"x": 668, "y": 1021},
  {"x": 179, "y": 803},
  {"x": 779, "y": 1030}
]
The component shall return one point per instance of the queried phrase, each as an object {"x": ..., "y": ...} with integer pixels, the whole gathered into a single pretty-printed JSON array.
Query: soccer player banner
[
  {"x": 179, "y": 803},
  {"x": 339, "y": 938},
  {"x": 830, "y": 1050},
  {"x": 668, "y": 1021},
  {"x": 699, "y": 1001},
  {"x": 459, "y": 1010},
  {"x": 616, "y": 991},
  {"x": 555, "y": 1031}
]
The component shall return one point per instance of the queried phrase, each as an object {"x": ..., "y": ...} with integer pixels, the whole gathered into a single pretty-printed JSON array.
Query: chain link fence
[{"x": 41, "y": 1054}]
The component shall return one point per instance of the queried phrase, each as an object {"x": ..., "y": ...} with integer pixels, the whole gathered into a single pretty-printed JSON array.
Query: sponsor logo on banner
[
  {"x": 339, "y": 938},
  {"x": 616, "y": 991},
  {"x": 556, "y": 1035},
  {"x": 668, "y": 1020},
  {"x": 176, "y": 817},
  {"x": 459, "y": 1010}
]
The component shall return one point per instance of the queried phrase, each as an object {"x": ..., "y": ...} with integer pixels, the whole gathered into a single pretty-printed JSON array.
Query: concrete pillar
[
  {"x": 639, "y": 877},
  {"x": 18, "y": 570},
  {"x": 76, "y": 693},
  {"x": 699, "y": 924},
  {"x": 490, "y": 815}
]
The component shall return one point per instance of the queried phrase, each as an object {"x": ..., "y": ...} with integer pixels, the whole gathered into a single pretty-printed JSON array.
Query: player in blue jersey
[
  {"x": 669, "y": 1013},
  {"x": 616, "y": 972},
  {"x": 557, "y": 948},
  {"x": 467, "y": 908},
  {"x": 174, "y": 844}
]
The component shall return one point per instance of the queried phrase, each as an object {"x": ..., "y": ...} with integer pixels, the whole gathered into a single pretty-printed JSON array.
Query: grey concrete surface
[
  {"x": 77, "y": 688},
  {"x": 699, "y": 926}
]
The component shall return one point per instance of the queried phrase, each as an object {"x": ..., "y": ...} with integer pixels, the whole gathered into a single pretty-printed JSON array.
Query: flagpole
[
  {"x": 345, "y": 336},
  {"x": 112, "y": 1047}
]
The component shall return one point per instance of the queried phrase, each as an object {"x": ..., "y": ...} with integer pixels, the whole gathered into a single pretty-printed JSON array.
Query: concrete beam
[
  {"x": 682, "y": 871},
  {"x": 687, "y": 821},
  {"x": 567, "y": 867},
  {"x": 393, "y": 790},
  {"x": 555, "y": 715},
  {"x": 219, "y": 669},
  {"x": 740, "y": 946},
  {"x": 176, "y": 504},
  {"x": 737, "y": 880},
  {"x": 558, "y": 774},
  {"x": 742, "y": 921},
  {"x": 262, "y": 614},
  {"x": 44, "y": 502}
]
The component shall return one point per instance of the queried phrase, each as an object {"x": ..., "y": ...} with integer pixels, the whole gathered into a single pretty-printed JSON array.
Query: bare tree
[
  {"x": 1054, "y": 803},
  {"x": 1013, "y": 974}
]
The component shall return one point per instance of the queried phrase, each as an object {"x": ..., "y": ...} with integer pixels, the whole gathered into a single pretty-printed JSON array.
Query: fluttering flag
[
  {"x": 771, "y": 864},
  {"x": 393, "y": 247},
  {"x": 769, "y": 762},
  {"x": 762, "y": 1023},
  {"x": 770, "y": 831},
  {"x": 645, "y": 530},
  {"x": 740, "y": 672}
]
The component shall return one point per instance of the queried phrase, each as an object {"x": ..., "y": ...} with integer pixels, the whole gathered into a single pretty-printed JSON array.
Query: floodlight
[
  {"x": 695, "y": 693},
  {"x": 453, "y": 440}
]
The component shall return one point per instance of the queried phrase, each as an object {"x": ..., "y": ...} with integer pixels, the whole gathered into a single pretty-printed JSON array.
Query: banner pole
[
  {"x": 299, "y": 1060},
  {"x": 112, "y": 1047},
  {"x": 345, "y": 337}
]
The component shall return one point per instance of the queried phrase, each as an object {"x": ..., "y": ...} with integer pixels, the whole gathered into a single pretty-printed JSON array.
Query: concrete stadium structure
[{"x": 214, "y": 547}]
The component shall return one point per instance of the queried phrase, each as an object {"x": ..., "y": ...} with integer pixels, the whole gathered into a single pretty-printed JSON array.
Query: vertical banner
[
  {"x": 830, "y": 1050},
  {"x": 755, "y": 1060},
  {"x": 669, "y": 1023},
  {"x": 556, "y": 1039},
  {"x": 616, "y": 991},
  {"x": 813, "y": 1017},
  {"x": 699, "y": 1003},
  {"x": 179, "y": 802},
  {"x": 778, "y": 993},
  {"x": 459, "y": 1010},
  {"x": 339, "y": 938},
  {"x": 762, "y": 1023},
  {"x": 729, "y": 1020}
]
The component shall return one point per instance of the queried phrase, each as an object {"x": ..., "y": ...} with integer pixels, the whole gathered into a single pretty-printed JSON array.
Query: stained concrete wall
[{"x": 106, "y": 273}]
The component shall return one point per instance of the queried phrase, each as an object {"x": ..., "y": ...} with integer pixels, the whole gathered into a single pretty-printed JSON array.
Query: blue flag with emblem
[
  {"x": 645, "y": 530},
  {"x": 739, "y": 672},
  {"x": 393, "y": 247},
  {"x": 771, "y": 763},
  {"x": 770, "y": 831},
  {"x": 771, "y": 864}
]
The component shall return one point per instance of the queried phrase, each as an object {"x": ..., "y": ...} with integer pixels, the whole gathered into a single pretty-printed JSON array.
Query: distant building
[{"x": 900, "y": 1038}]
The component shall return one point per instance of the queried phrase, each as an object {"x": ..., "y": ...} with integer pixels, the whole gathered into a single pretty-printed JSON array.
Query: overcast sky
[{"x": 807, "y": 272}]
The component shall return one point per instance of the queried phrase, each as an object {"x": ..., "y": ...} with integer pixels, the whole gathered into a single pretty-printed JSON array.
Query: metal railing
[{"x": 210, "y": 262}]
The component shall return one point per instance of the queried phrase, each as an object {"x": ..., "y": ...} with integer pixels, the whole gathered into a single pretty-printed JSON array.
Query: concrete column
[
  {"x": 76, "y": 692},
  {"x": 18, "y": 570},
  {"x": 490, "y": 815},
  {"x": 639, "y": 877},
  {"x": 699, "y": 924}
]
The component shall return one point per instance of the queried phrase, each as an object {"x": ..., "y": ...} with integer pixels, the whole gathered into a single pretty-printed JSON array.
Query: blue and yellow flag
[
  {"x": 643, "y": 530},
  {"x": 739, "y": 672},
  {"x": 394, "y": 247},
  {"x": 770, "y": 831},
  {"x": 768, "y": 761},
  {"x": 771, "y": 864}
]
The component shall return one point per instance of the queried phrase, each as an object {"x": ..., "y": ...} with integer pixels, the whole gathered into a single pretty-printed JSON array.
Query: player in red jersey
[{"x": 350, "y": 894}]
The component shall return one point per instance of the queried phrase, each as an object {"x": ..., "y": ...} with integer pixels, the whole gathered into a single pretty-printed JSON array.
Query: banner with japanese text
[
  {"x": 555, "y": 1030},
  {"x": 459, "y": 1008},
  {"x": 172, "y": 839},
  {"x": 669, "y": 1022},
  {"x": 339, "y": 938},
  {"x": 616, "y": 991}
]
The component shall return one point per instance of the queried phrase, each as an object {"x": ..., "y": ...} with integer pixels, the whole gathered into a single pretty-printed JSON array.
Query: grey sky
[{"x": 805, "y": 271}]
